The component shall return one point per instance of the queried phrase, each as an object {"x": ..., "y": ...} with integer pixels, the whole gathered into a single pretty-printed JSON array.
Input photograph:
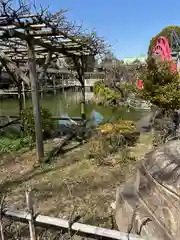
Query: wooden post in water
[
  {"x": 62, "y": 81},
  {"x": 20, "y": 99},
  {"x": 35, "y": 100},
  {"x": 54, "y": 85},
  {"x": 83, "y": 100},
  {"x": 21, "y": 107},
  {"x": 23, "y": 93},
  {"x": 83, "y": 89},
  {"x": 20, "y": 96}
]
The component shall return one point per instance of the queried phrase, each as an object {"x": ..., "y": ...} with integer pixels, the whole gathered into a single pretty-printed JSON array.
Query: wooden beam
[
  {"x": 42, "y": 49},
  {"x": 44, "y": 33},
  {"x": 20, "y": 17},
  {"x": 19, "y": 58},
  {"x": 49, "y": 30},
  {"x": 7, "y": 63},
  {"x": 16, "y": 25},
  {"x": 6, "y": 21},
  {"x": 23, "y": 50},
  {"x": 38, "y": 42},
  {"x": 59, "y": 48},
  {"x": 72, "y": 38},
  {"x": 78, "y": 228},
  {"x": 35, "y": 100}
]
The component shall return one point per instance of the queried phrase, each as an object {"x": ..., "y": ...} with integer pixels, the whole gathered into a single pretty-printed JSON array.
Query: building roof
[{"x": 130, "y": 60}]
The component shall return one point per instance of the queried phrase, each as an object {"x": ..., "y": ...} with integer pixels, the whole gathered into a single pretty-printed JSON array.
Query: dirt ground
[{"x": 70, "y": 184}]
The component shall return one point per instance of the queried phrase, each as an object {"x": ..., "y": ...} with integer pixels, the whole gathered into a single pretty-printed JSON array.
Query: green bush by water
[
  {"x": 10, "y": 144},
  {"x": 111, "y": 95},
  {"x": 29, "y": 124},
  {"x": 108, "y": 94},
  {"x": 11, "y": 141}
]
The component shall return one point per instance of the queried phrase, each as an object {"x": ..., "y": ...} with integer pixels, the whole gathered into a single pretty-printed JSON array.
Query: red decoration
[
  {"x": 163, "y": 50},
  {"x": 140, "y": 84},
  {"x": 174, "y": 66}
]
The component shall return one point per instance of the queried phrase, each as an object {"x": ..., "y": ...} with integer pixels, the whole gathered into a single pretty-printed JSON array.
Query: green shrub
[
  {"x": 98, "y": 86},
  {"x": 8, "y": 145},
  {"x": 108, "y": 94},
  {"x": 128, "y": 88},
  {"x": 111, "y": 139},
  {"x": 29, "y": 124},
  {"x": 160, "y": 85}
]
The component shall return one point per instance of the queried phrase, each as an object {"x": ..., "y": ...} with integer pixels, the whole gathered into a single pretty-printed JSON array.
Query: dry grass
[
  {"x": 144, "y": 146},
  {"x": 72, "y": 180}
]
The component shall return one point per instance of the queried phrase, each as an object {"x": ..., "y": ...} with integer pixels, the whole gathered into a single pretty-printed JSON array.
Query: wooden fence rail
[{"x": 80, "y": 229}]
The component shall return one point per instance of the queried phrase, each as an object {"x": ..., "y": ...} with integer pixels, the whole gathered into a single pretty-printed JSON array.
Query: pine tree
[{"x": 161, "y": 86}]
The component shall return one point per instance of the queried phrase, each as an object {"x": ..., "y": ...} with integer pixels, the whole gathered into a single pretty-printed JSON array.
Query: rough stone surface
[{"x": 149, "y": 202}]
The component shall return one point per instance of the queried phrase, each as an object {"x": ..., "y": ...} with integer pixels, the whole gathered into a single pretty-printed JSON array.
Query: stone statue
[{"x": 148, "y": 204}]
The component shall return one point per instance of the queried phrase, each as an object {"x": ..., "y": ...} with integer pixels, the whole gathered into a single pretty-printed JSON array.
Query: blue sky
[{"x": 128, "y": 25}]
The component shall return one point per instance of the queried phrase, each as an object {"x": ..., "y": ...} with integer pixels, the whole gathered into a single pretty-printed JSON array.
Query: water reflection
[
  {"x": 94, "y": 119},
  {"x": 68, "y": 104}
]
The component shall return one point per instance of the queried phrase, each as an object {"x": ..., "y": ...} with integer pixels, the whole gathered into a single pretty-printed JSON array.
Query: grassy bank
[{"x": 71, "y": 181}]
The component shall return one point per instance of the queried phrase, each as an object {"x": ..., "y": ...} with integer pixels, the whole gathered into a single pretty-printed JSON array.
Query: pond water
[{"x": 69, "y": 103}]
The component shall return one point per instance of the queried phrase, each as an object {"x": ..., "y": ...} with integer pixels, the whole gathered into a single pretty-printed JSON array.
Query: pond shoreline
[{"x": 68, "y": 103}]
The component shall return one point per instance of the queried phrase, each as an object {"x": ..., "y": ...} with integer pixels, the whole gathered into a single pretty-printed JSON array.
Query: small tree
[
  {"x": 161, "y": 86},
  {"x": 118, "y": 77},
  {"x": 29, "y": 124}
]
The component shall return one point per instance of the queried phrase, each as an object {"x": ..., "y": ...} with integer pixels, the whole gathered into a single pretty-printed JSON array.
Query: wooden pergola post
[
  {"x": 83, "y": 100},
  {"x": 83, "y": 88},
  {"x": 35, "y": 100}
]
